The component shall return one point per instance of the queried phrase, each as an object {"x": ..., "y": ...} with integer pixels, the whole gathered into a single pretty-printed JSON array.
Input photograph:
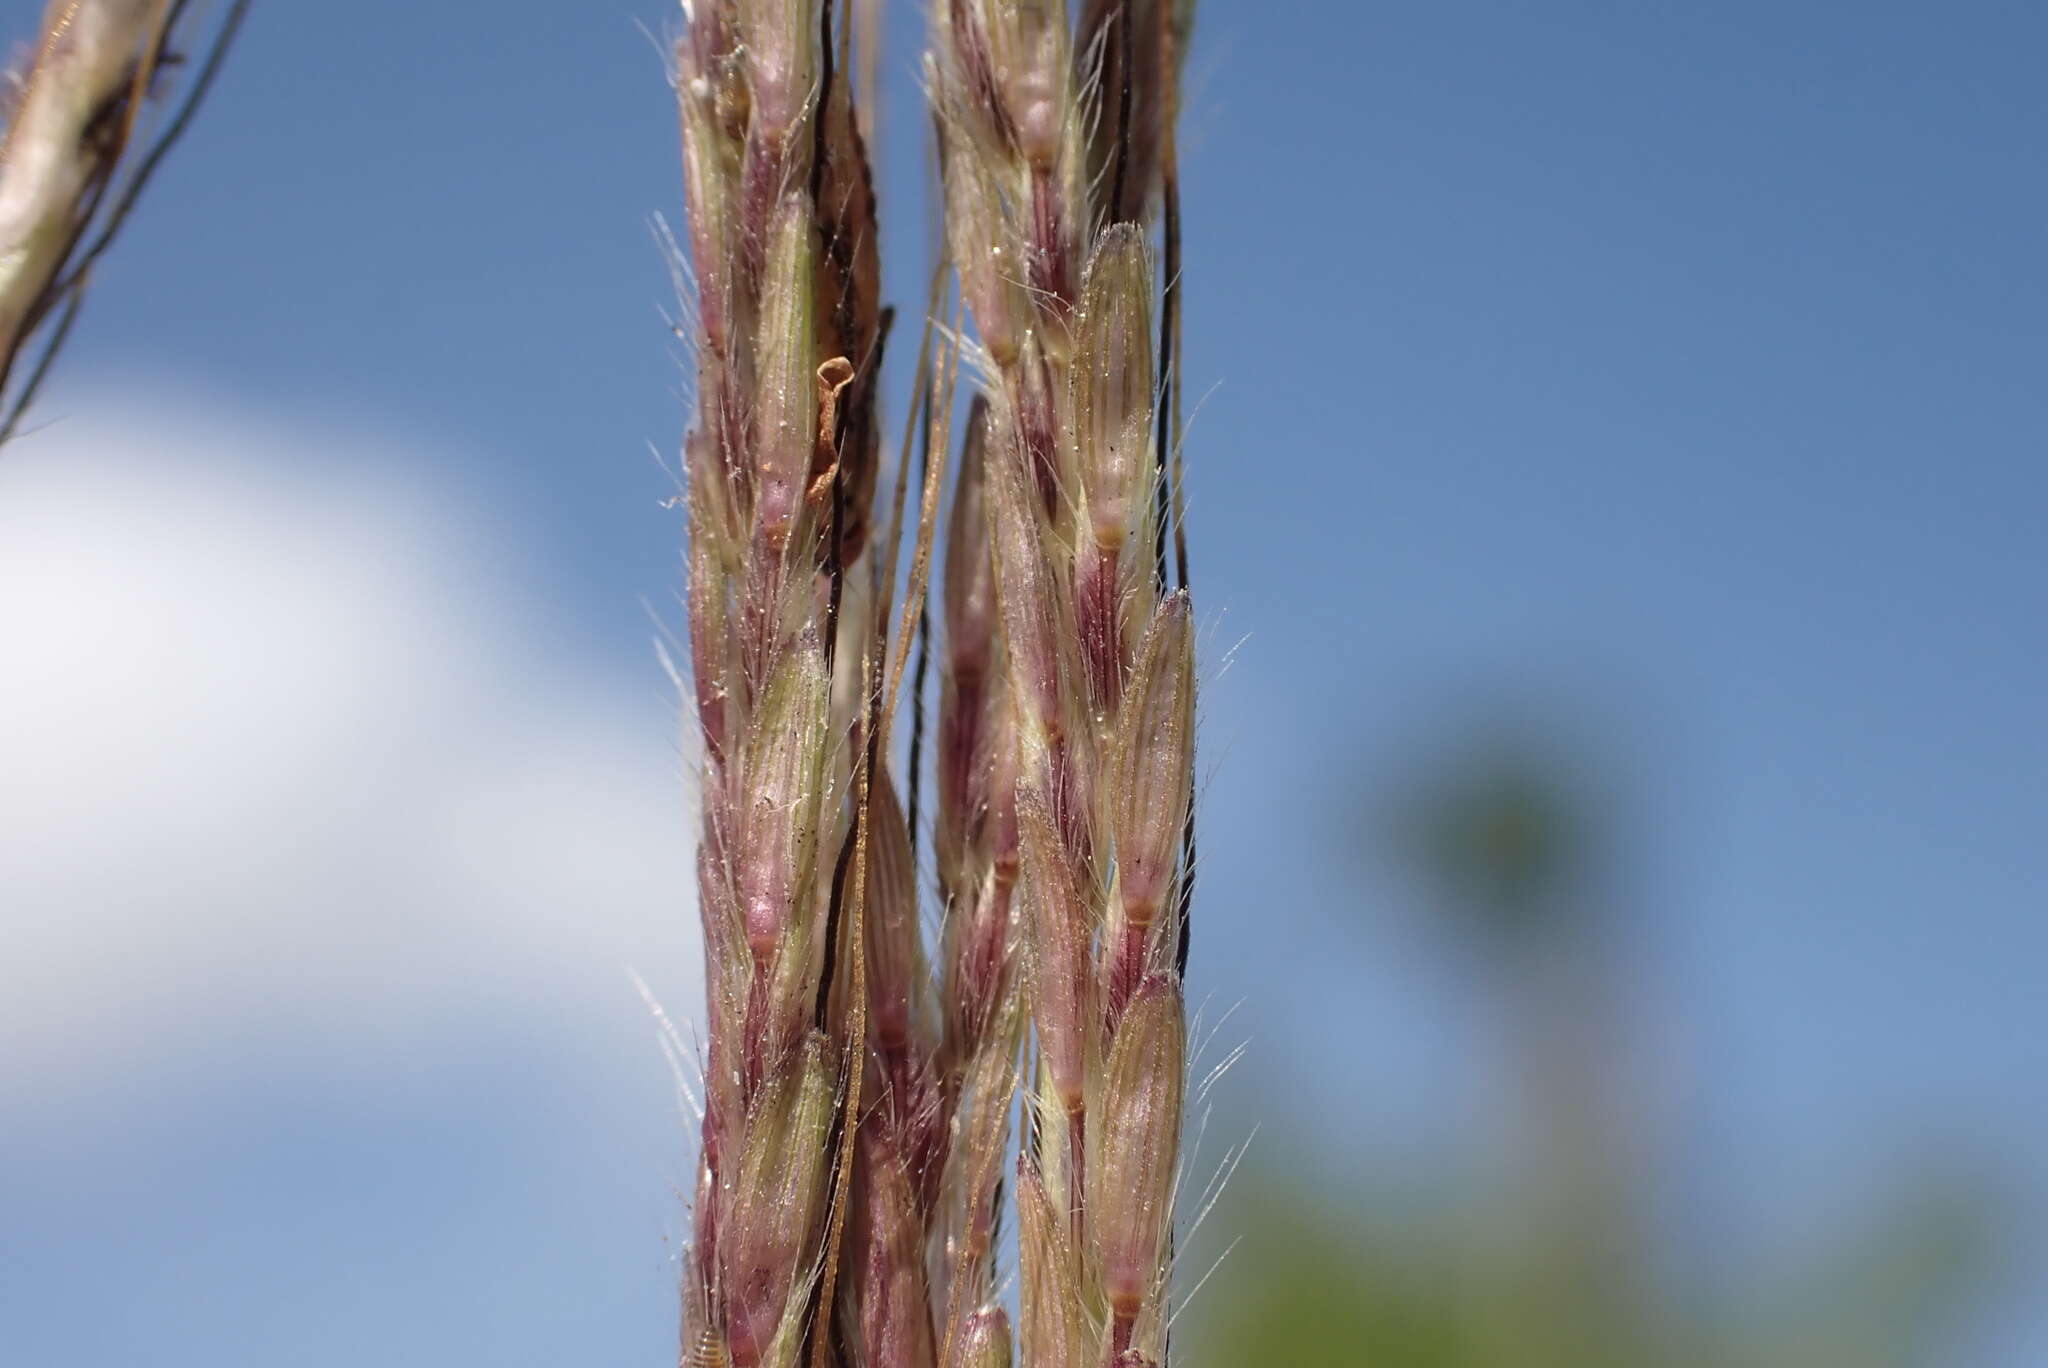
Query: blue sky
[{"x": 1678, "y": 372}]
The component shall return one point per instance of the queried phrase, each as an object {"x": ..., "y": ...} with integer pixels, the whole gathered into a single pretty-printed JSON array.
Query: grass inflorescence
[{"x": 858, "y": 1167}]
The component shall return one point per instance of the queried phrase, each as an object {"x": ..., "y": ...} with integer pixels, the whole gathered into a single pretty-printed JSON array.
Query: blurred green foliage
[
  {"x": 1314, "y": 1281},
  {"x": 1549, "y": 1264}
]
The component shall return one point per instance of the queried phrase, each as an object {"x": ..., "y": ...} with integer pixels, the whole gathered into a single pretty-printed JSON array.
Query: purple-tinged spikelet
[
  {"x": 769, "y": 1210},
  {"x": 1036, "y": 636},
  {"x": 1134, "y": 1154},
  {"x": 1150, "y": 788},
  {"x": 1053, "y": 1329},
  {"x": 985, "y": 1343},
  {"x": 1062, "y": 986},
  {"x": 1111, "y": 406},
  {"x": 785, "y": 390},
  {"x": 1109, "y": 417},
  {"x": 891, "y": 1313}
]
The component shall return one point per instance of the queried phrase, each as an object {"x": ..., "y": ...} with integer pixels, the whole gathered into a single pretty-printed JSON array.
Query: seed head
[
  {"x": 1152, "y": 781},
  {"x": 708, "y": 175},
  {"x": 1035, "y": 403},
  {"x": 1051, "y": 1329},
  {"x": 1112, "y": 386},
  {"x": 1061, "y": 980},
  {"x": 1027, "y": 46},
  {"x": 984, "y": 246},
  {"x": 970, "y": 592},
  {"x": 978, "y": 974},
  {"x": 1030, "y": 600},
  {"x": 985, "y": 1342},
  {"x": 895, "y": 967},
  {"x": 771, "y": 1205},
  {"x": 783, "y": 770},
  {"x": 780, "y": 42},
  {"x": 785, "y": 392},
  {"x": 1135, "y": 1147},
  {"x": 888, "y": 1277},
  {"x": 710, "y": 635}
]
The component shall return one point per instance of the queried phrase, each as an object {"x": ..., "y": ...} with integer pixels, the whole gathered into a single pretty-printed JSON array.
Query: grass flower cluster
[{"x": 858, "y": 1165}]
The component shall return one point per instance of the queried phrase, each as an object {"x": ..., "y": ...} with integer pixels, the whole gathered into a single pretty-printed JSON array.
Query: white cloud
[{"x": 284, "y": 768}]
